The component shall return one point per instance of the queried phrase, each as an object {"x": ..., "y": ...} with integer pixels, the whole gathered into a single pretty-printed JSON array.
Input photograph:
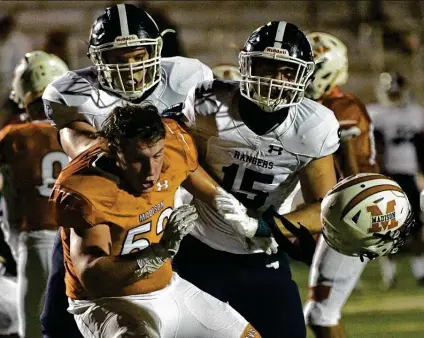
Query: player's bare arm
[
  {"x": 202, "y": 185},
  {"x": 351, "y": 163},
  {"x": 75, "y": 136},
  {"x": 90, "y": 250}
]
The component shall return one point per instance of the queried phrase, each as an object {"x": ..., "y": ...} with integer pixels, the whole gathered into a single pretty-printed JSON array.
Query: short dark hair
[{"x": 141, "y": 121}]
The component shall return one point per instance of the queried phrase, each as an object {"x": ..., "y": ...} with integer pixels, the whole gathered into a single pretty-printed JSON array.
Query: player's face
[
  {"x": 273, "y": 69},
  {"x": 142, "y": 164},
  {"x": 125, "y": 57}
]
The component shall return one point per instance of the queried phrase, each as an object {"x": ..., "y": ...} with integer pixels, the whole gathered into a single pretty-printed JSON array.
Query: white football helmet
[
  {"x": 32, "y": 75},
  {"x": 366, "y": 215},
  {"x": 226, "y": 72},
  {"x": 331, "y": 64},
  {"x": 125, "y": 26}
]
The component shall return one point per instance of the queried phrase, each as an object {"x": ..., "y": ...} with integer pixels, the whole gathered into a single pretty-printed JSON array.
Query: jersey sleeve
[
  {"x": 72, "y": 210},
  {"x": 57, "y": 107},
  {"x": 206, "y": 98},
  {"x": 180, "y": 142},
  {"x": 331, "y": 140}
]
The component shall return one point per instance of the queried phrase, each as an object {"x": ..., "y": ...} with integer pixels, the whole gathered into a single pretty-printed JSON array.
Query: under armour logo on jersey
[
  {"x": 164, "y": 185},
  {"x": 275, "y": 148}
]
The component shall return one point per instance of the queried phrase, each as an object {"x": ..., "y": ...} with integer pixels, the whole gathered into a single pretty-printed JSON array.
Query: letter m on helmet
[{"x": 380, "y": 221}]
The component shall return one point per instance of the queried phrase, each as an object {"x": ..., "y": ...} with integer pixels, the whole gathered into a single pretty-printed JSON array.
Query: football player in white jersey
[
  {"x": 399, "y": 132},
  {"x": 125, "y": 48},
  {"x": 258, "y": 138},
  {"x": 333, "y": 275}
]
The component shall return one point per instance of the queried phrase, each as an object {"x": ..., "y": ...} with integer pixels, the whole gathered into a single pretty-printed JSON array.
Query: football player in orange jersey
[
  {"x": 333, "y": 275},
  {"x": 120, "y": 233},
  {"x": 31, "y": 159}
]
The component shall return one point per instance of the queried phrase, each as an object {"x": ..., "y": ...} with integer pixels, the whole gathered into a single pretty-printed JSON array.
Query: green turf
[{"x": 375, "y": 312}]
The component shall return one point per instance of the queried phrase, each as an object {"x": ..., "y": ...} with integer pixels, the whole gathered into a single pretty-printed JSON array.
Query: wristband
[{"x": 263, "y": 229}]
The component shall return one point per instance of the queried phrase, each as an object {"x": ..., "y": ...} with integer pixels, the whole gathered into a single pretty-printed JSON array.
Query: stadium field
[{"x": 374, "y": 312}]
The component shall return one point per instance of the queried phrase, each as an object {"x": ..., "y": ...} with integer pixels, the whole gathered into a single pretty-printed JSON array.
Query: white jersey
[
  {"x": 259, "y": 170},
  {"x": 398, "y": 125},
  {"x": 81, "y": 89}
]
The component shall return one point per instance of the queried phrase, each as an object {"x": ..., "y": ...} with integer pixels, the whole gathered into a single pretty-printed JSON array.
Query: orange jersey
[
  {"x": 351, "y": 112},
  {"x": 31, "y": 160},
  {"x": 85, "y": 197}
]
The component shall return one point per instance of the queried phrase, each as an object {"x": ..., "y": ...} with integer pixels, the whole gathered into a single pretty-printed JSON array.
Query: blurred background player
[
  {"x": 399, "y": 132},
  {"x": 333, "y": 275},
  {"x": 125, "y": 48},
  {"x": 9, "y": 322},
  {"x": 226, "y": 72},
  {"x": 121, "y": 228},
  {"x": 31, "y": 159},
  {"x": 258, "y": 138}
]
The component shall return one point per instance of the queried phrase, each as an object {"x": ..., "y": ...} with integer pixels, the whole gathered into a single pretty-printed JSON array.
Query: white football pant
[
  {"x": 9, "y": 322},
  {"x": 332, "y": 278},
  {"x": 34, "y": 264},
  {"x": 179, "y": 310}
]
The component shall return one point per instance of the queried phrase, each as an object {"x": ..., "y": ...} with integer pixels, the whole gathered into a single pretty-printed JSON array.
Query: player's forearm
[
  {"x": 308, "y": 215},
  {"x": 106, "y": 275},
  {"x": 202, "y": 185},
  {"x": 351, "y": 163},
  {"x": 77, "y": 138}
]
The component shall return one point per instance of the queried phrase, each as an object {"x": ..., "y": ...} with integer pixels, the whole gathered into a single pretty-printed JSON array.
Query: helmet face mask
[
  {"x": 273, "y": 83},
  {"x": 276, "y": 64},
  {"x": 118, "y": 39},
  {"x": 331, "y": 64}
]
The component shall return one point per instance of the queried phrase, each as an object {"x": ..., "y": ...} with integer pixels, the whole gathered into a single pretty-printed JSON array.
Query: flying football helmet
[
  {"x": 366, "y": 215},
  {"x": 282, "y": 42},
  {"x": 392, "y": 89},
  {"x": 124, "y": 26},
  {"x": 32, "y": 75},
  {"x": 226, "y": 72},
  {"x": 331, "y": 64}
]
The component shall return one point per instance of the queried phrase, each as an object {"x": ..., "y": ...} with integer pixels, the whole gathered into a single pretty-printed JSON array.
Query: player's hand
[
  {"x": 303, "y": 248},
  {"x": 180, "y": 223},
  {"x": 235, "y": 213},
  {"x": 267, "y": 244}
]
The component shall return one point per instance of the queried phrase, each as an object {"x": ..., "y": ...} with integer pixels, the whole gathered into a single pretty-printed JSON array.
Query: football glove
[
  {"x": 180, "y": 223},
  {"x": 235, "y": 214},
  {"x": 304, "y": 249},
  {"x": 267, "y": 244}
]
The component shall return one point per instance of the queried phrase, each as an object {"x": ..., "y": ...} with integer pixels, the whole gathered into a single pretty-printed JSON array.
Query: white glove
[
  {"x": 180, "y": 223},
  {"x": 150, "y": 260},
  {"x": 268, "y": 244},
  {"x": 235, "y": 213}
]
